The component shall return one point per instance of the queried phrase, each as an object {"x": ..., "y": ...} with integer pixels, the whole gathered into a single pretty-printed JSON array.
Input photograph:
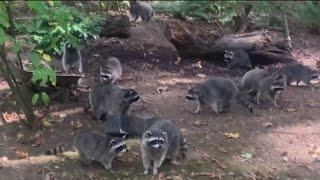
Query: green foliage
[
  {"x": 114, "y": 5},
  {"x": 263, "y": 14},
  {"x": 42, "y": 74},
  {"x": 54, "y": 24},
  {"x": 222, "y": 11},
  {"x": 308, "y": 13}
]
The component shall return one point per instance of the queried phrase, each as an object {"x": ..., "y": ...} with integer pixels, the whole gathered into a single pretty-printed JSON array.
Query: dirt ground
[{"x": 272, "y": 143}]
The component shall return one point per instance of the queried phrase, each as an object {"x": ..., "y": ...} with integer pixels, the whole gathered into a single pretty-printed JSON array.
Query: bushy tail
[
  {"x": 183, "y": 147},
  {"x": 56, "y": 150},
  {"x": 243, "y": 100}
]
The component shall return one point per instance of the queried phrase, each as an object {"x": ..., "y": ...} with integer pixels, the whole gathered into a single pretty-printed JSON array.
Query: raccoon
[
  {"x": 71, "y": 58},
  {"x": 299, "y": 72},
  {"x": 109, "y": 100},
  {"x": 218, "y": 93},
  {"x": 237, "y": 59},
  {"x": 141, "y": 9},
  {"x": 94, "y": 146},
  {"x": 111, "y": 71},
  {"x": 262, "y": 84},
  {"x": 132, "y": 126},
  {"x": 163, "y": 140}
]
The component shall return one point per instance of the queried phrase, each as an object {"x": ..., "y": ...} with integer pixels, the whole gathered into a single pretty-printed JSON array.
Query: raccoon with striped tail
[
  {"x": 163, "y": 140},
  {"x": 95, "y": 146},
  {"x": 218, "y": 93}
]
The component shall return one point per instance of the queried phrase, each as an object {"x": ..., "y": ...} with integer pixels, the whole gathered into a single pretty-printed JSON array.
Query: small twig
[{"x": 286, "y": 26}]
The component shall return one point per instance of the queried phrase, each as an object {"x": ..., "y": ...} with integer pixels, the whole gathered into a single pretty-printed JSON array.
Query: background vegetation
[{"x": 44, "y": 26}]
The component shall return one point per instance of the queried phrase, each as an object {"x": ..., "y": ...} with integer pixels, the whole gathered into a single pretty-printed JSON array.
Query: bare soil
[{"x": 273, "y": 143}]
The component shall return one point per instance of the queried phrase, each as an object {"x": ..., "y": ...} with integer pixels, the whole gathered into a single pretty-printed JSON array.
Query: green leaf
[
  {"x": 52, "y": 77},
  {"x": 38, "y": 6},
  {"x": 36, "y": 76},
  {"x": 45, "y": 98},
  {"x": 2, "y": 36},
  {"x": 4, "y": 20},
  {"x": 51, "y": 3},
  {"x": 35, "y": 98},
  {"x": 35, "y": 59},
  {"x": 46, "y": 57},
  {"x": 15, "y": 48}
]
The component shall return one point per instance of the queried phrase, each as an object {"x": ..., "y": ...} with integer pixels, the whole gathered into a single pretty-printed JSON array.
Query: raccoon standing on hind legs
[
  {"x": 111, "y": 70},
  {"x": 71, "y": 58}
]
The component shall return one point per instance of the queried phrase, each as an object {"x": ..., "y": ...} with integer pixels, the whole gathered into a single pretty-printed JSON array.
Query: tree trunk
[
  {"x": 7, "y": 73},
  {"x": 198, "y": 40}
]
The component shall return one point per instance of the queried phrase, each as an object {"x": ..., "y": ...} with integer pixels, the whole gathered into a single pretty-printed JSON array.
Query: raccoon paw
[
  {"x": 175, "y": 162},
  {"x": 145, "y": 172}
]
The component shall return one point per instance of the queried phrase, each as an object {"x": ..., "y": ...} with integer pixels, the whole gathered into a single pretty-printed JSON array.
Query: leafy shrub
[
  {"x": 308, "y": 13},
  {"x": 54, "y": 24}
]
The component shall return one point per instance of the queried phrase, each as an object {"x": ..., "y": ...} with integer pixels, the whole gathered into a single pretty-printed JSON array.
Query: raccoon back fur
[
  {"x": 141, "y": 9},
  {"x": 218, "y": 93}
]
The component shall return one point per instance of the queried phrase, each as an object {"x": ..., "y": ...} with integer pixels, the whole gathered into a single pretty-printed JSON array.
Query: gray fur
[
  {"x": 218, "y": 93},
  {"x": 95, "y": 146},
  {"x": 71, "y": 58},
  {"x": 262, "y": 84},
  {"x": 141, "y": 9},
  {"x": 299, "y": 72},
  {"x": 110, "y": 100},
  {"x": 111, "y": 70},
  {"x": 173, "y": 145},
  {"x": 237, "y": 59}
]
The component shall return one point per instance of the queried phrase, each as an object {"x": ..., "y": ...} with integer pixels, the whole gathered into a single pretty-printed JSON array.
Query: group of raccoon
[{"x": 160, "y": 138}]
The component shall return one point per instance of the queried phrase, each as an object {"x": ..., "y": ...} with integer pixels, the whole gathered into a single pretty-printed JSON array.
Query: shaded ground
[{"x": 283, "y": 142}]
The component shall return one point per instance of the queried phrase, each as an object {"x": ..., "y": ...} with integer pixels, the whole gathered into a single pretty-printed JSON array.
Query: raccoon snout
[{"x": 189, "y": 97}]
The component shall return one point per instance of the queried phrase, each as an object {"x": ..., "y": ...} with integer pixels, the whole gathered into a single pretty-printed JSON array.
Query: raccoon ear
[
  {"x": 112, "y": 142},
  {"x": 124, "y": 137},
  {"x": 164, "y": 133},
  {"x": 196, "y": 91},
  {"x": 148, "y": 133}
]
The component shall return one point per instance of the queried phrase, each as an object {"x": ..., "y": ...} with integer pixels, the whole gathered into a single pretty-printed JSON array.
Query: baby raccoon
[
  {"x": 109, "y": 100},
  {"x": 299, "y": 72},
  {"x": 141, "y": 9},
  {"x": 111, "y": 70},
  {"x": 237, "y": 59},
  {"x": 162, "y": 140},
  {"x": 261, "y": 84},
  {"x": 94, "y": 146},
  {"x": 71, "y": 58},
  {"x": 218, "y": 93}
]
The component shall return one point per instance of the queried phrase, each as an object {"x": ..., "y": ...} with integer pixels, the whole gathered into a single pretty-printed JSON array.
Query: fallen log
[
  {"x": 116, "y": 26},
  {"x": 201, "y": 40}
]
